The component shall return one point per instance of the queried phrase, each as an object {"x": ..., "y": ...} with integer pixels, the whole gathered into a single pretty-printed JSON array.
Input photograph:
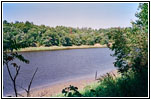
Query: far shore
[{"x": 53, "y": 48}]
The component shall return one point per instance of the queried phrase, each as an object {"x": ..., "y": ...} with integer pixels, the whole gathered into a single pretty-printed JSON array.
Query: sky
[{"x": 94, "y": 15}]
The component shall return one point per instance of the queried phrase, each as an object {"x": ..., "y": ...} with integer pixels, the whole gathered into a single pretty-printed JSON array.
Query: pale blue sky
[{"x": 94, "y": 15}]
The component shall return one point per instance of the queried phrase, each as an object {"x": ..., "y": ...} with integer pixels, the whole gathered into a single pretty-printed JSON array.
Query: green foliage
[
  {"x": 71, "y": 91},
  {"x": 13, "y": 37},
  {"x": 10, "y": 57},
  {"x": 142, "y": 16},
  {"x": 21, "y": 35},
  {"x": 131, "y": 44}
]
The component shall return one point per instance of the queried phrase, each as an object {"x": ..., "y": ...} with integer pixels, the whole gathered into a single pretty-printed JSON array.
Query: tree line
[{"x": 28, "y": 34}]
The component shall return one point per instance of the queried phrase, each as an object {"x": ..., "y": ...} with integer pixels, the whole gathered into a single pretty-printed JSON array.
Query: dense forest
[{"x": 29, "y": 35}]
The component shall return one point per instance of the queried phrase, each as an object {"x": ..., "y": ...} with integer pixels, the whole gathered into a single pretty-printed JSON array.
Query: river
[{"x": 57, "y": 66}]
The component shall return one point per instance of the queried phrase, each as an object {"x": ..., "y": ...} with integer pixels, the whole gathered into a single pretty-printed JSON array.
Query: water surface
[{"x": 56, "y": 66}]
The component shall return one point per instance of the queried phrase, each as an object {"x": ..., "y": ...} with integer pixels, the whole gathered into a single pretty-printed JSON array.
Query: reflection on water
[{"x": 55, "y": 66}]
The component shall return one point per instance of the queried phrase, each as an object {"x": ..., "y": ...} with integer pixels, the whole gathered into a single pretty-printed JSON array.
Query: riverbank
[
  {"x": 53, "y": 48},
  {"x": 53, "y": 90},
  {"x": 56, "y": 89}
]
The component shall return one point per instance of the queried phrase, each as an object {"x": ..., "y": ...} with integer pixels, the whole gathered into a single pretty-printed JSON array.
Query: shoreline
[
  {"x": 54, "y": 48},
  {"x": 53, "y": 90}
]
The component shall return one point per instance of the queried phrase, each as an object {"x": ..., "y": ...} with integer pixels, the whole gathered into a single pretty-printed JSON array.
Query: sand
[{"x": 53, "y": 90}]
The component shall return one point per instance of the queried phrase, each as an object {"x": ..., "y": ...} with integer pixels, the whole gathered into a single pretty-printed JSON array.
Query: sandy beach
[{"x": 52, "y": 90}]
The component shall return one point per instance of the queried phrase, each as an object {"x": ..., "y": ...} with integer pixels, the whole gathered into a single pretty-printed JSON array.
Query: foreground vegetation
[{"x": 129, "y": 85}]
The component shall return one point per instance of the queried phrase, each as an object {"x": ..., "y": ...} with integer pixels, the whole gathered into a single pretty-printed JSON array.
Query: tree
[
  {"x": 131, "y": 44},
  {"x": 7, "y": 59},
  {"x": 142, "y": 16},
  {"x": 14, "y": 39}
]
